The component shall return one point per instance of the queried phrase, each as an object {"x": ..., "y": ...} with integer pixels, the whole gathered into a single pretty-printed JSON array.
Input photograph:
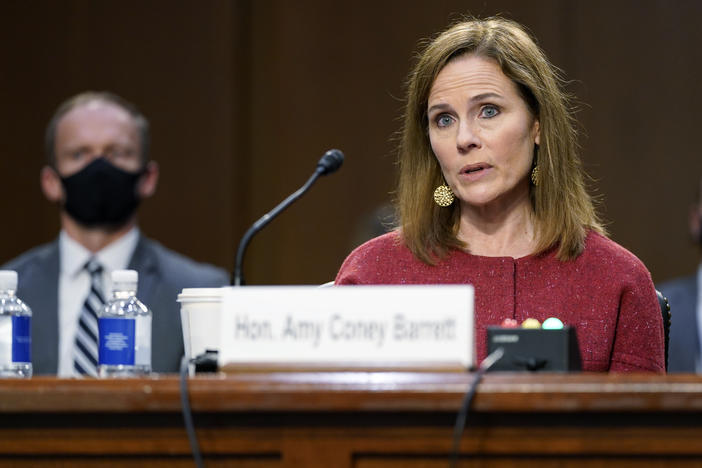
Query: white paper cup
[{"x": 200, "y": 310}]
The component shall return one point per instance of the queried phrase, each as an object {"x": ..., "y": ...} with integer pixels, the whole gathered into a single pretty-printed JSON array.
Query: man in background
[
  {"x": 97, "y": 172},
  {"x": 686, "y": 306}
]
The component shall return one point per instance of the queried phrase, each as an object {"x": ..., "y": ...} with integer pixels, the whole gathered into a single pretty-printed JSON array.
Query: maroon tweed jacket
[{"x": 606, "y": 294}]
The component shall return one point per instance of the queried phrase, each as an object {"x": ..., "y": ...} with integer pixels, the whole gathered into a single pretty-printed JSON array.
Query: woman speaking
[{"x": 491, "y": 193}]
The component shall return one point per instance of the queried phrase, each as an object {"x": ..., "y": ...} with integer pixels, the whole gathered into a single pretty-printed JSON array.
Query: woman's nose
[{"x": 467, "y": 137}]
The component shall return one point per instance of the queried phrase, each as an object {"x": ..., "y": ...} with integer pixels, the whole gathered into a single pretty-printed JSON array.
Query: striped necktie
[{"x": 85, "y": 352}]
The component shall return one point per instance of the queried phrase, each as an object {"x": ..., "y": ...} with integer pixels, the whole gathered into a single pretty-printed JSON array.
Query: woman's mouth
[{"x": 475, "y": 171}]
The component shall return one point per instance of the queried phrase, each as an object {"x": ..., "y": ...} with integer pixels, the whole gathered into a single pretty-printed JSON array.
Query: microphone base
[
  {"x": 206, "y": 362},
  {"x": 535, "y": 350}
]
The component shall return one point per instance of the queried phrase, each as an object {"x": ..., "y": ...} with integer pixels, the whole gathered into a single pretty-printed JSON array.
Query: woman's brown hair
[{"x": 563, "y": 210}]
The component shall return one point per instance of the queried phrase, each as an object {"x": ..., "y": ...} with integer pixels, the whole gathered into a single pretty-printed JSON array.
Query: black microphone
[{"x": 328, "y": 163}]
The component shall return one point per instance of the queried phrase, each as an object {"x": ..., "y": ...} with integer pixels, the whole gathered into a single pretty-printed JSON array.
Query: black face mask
[{"x": 101, "y": 195}]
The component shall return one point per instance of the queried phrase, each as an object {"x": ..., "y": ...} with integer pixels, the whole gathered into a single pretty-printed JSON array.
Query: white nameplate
[{"x": 348, "y": 326}]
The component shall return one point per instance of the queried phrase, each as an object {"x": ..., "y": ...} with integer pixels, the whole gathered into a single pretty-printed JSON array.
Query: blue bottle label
[
  {"x": 116, "y": 341},
  {"x": 21, "y": 339}
]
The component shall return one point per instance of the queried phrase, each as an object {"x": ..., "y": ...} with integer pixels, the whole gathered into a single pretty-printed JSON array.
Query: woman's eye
[
  {"x": 443, "y": 120},
  {"x": 489, "y": 112}
]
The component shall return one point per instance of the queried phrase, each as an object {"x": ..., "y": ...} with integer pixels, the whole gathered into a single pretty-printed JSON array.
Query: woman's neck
[{"x": 499, "y": 231}]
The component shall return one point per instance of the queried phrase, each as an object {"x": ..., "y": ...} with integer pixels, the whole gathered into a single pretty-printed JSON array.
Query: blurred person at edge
[
  {"x": 683, "y": 293},
  {"x": 97, "y": 172},
  {"x": 491, "y": 193}
]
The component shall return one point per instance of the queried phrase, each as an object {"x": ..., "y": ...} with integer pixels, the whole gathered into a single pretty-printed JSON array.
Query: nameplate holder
[{"x": 277, "y": 328}]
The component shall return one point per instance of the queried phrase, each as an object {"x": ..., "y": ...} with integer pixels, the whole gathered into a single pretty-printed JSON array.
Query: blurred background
[{"x": 244, "y": 96}]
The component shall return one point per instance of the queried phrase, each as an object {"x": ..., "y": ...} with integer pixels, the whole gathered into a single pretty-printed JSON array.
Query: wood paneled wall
[{"x": 244, "y": 96}]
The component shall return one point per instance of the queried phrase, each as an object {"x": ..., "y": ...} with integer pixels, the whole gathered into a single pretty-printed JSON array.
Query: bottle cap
[
  {"x": 8, "y": 280},
  {"x": 125, "y": 280}
]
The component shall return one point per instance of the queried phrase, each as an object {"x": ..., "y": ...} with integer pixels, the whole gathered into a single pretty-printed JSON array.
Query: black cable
[
  {"x": 187, "y": 413},
  {"x": 487, "y": 363}
]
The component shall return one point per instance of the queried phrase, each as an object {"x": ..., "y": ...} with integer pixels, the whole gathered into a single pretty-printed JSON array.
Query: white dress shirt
[{"x": 74, "y": 285}]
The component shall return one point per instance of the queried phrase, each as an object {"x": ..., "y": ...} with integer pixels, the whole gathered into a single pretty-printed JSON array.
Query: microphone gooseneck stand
[{"x": 329, "y": 163}]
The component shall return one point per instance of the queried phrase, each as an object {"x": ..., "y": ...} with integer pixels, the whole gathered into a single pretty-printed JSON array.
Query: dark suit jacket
[
  {"x": 684, "y": 351},
  {"x": 162, "y": 275}
]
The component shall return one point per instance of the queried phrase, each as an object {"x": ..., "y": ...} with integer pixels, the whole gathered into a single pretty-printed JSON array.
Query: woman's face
[{"x": 481, "y": 132}]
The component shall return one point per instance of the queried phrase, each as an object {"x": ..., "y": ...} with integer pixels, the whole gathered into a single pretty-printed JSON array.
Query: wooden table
[{"x": 343, "y": 419}]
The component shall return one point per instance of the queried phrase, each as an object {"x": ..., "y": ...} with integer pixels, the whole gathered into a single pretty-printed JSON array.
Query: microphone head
[{"x": 330, "y": 162}]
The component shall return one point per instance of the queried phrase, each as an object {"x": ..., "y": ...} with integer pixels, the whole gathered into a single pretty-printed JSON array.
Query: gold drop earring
[
  {"x": 443, "y": 196},
  {"x": 535, "y": 175}
]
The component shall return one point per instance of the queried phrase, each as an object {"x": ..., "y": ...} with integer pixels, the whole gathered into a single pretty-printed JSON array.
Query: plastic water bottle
[
  {"x": 15, "y": 330},
  {"x": 124, "y": 325}
]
